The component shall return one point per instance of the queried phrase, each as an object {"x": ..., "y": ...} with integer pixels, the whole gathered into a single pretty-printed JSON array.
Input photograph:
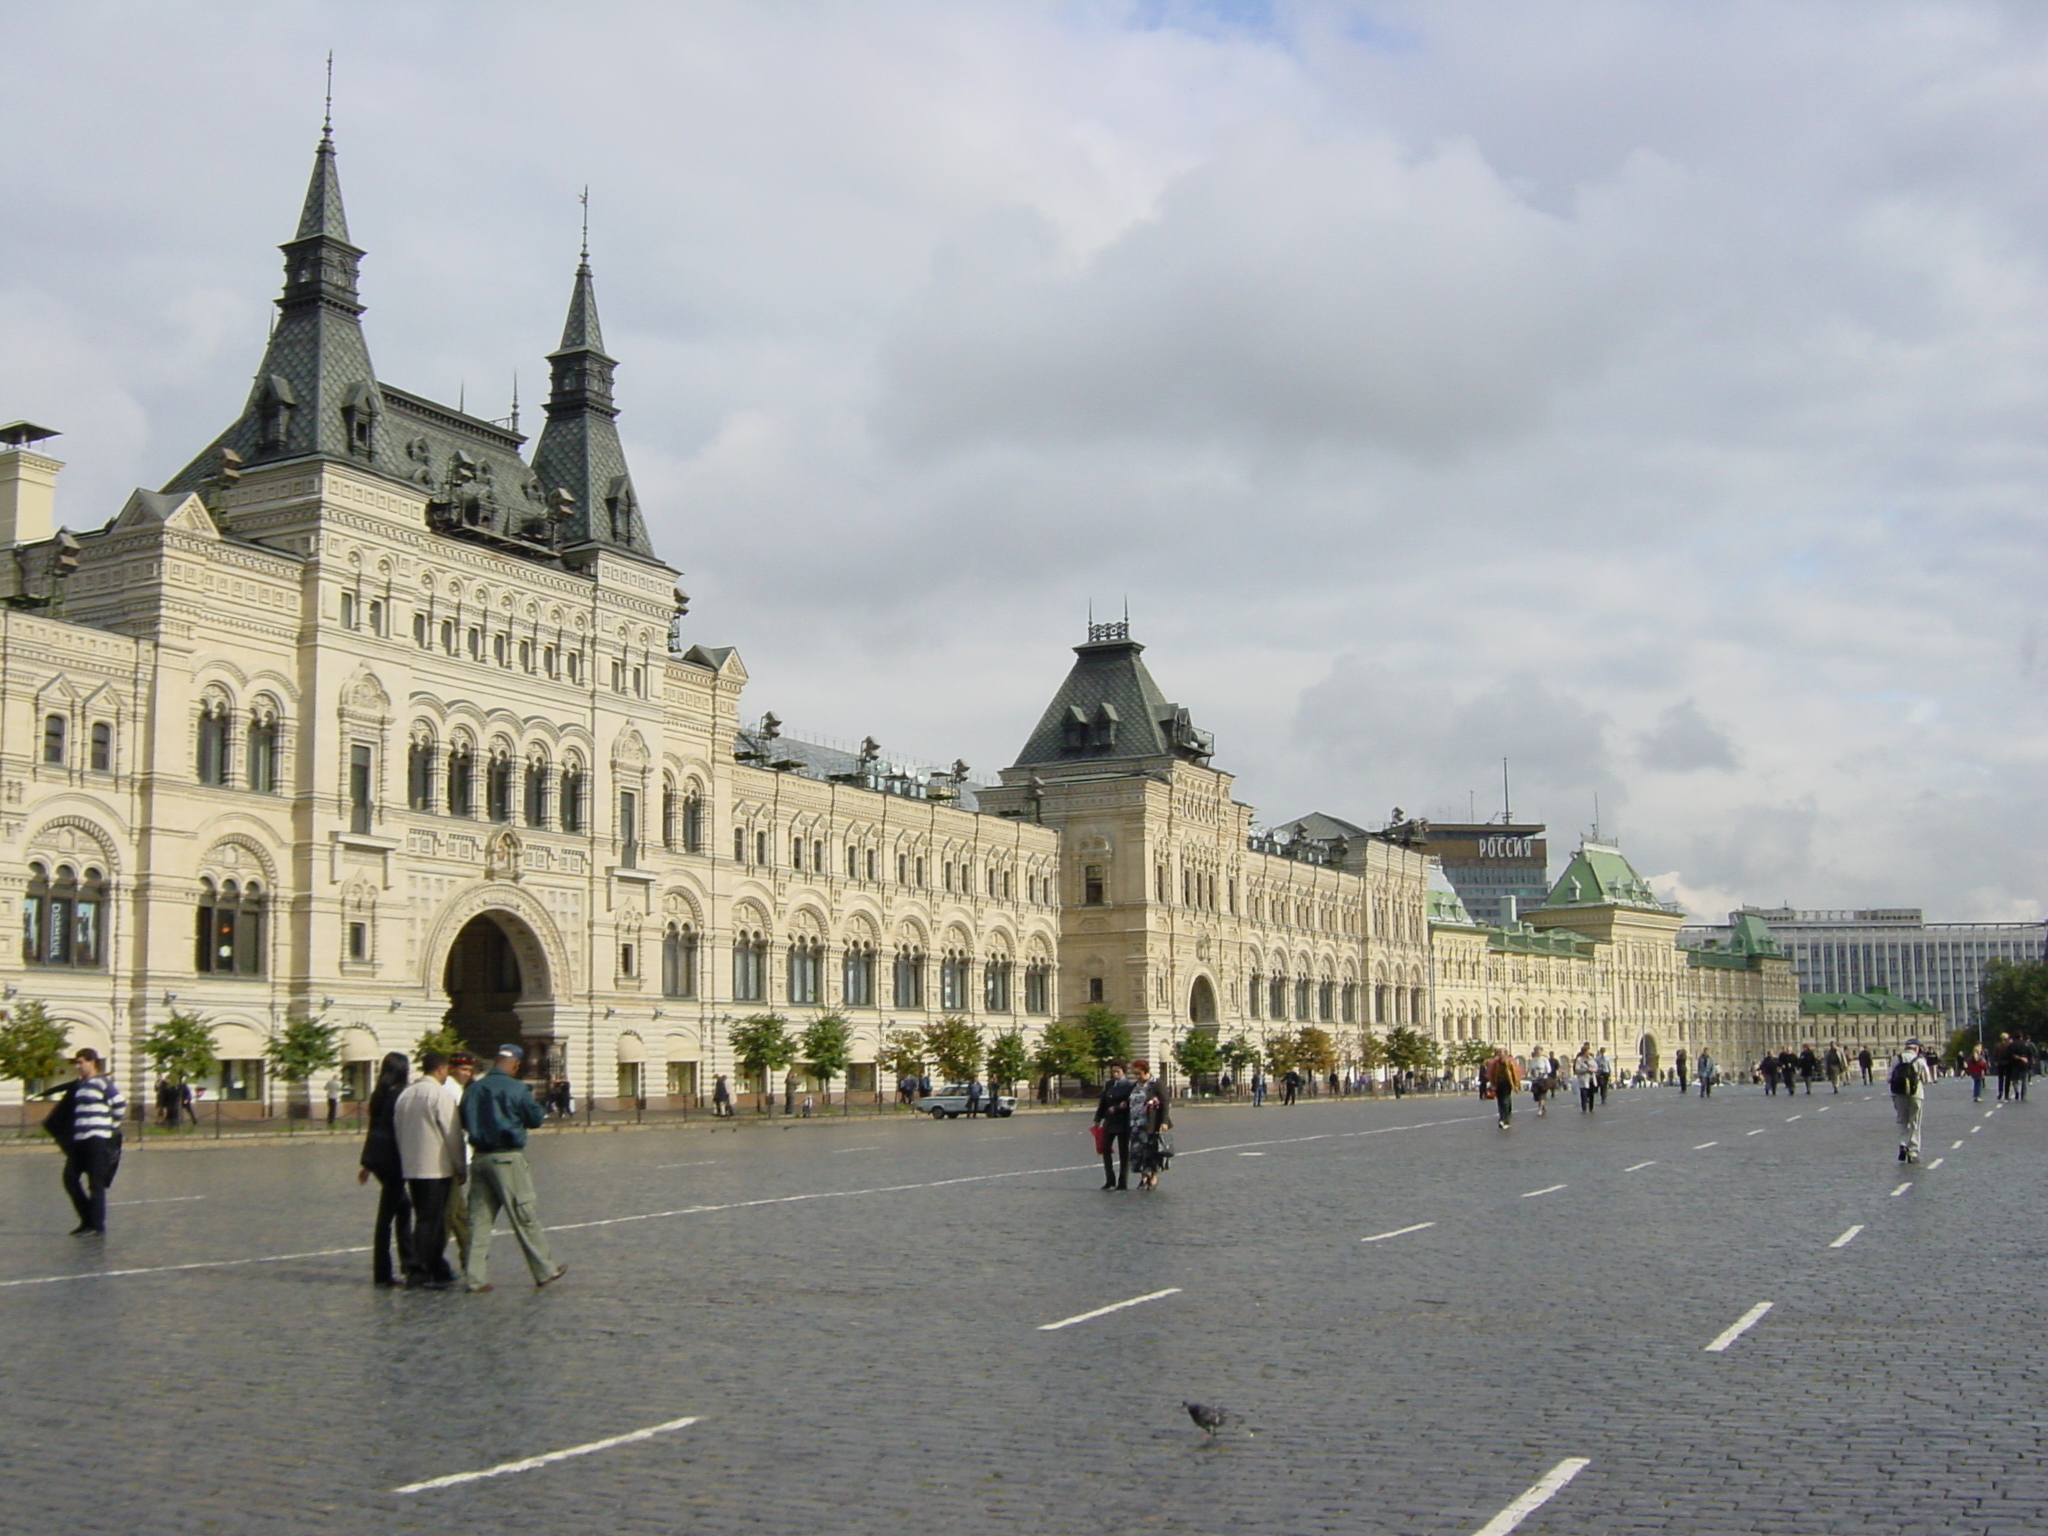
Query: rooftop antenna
[
  {"x": 327, "y": 115},
  {"x": 515, "y": 399},
  {"x": 462, "y": 397},
  {"x": 584, "y": 257},
  {"x": 1596, "y": 815},
  {"x": 1507, "y": 810}
]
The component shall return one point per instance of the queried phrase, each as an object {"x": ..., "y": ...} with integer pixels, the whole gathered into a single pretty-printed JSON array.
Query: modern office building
[{"x": 1500, "y": 870}]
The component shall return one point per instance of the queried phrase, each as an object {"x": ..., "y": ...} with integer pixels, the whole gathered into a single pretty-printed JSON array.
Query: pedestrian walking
[
  {"x": 1705, "y": 1069},
  {"x": 973, "y": 1097},
  {"x": 1835, "y": 1066},
  {"x": 1586, "y": 1077},
  {"x": 1503, "y": 1077},
  {"x": 1258, "y": 1088},
  {"x": 86, "y": 1125},
  {"x": 430, "y": 1144},
  {"x": 1681, "y": 1070},
  {"x": 1864, "y": 1062},
  {"x": 1908, "y": 1080},
  {"x": 1290, "y": 1087},
  {"x": 721, "y": 1098},
  {"x": 2022, "y": 1067},
  {"x": 1809, "y": 1066},
  {"x": 1151, "y": 1146},
  {"x": 1603, "y": 1072},
  {"x": 1769, "y": 1068},
  {"x": 497, "y": 1112},
  {"x": 1542, "y": 1079},
  {"x": 333, "y": 1102},
  {"x": 380, "y": 1159},
  {"x": 461, "y": 1073},
  {"x": 1113, "y": 1114},
  {"x": 1976, "y": 1065}
]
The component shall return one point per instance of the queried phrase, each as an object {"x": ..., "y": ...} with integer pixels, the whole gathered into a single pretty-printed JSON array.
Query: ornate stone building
[{"x": 366, "y": 715}]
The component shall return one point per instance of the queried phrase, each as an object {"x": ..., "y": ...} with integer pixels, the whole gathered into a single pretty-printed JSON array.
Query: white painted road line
[
  {"x": 1251, "y": 1154},
  {"x": 1381, "y": 1237},
  {"x": 1936, "y": 1164},
  {"x": 1900, "y": 1190},
  {"x": 842, "y": 1151},
  {"x": 705, "y": 1164},
  {"x": 160, "y": 1200},
  {"x": 1540, "y": 1493},
  {"x": 1737, "y": 1329},
  {"x": 1757, "y": 1132},
  {"x": 1706, "y": 1144},
  {"x": 1975, "y": 1129},
  {"x": 1989, "y": 1113},
  {"x": 1790, "y": 1118},
  {"x": 172, "y": 1269},
  {"x": 1548, "y": 1189},
  {"x": 1847, "y": 1237},
  {"x": 1632, "y": 1167},
  {"x": 1823, "y": 1109},
  {"x": 527, "y": 1464},
  {"x": 1117, "y": 1306},
  {"x": 1955, "y": 1146}
]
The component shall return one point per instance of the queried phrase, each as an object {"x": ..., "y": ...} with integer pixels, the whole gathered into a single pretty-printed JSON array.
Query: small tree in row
[
  {"x": 180, "y": 1048},
  {"x": 761, "y": 1044},
  {"x": 1008, "y": 1060},
  {"x": 303, "y": 1048},
  {"x": 32, "y": 1045},
  {"x": 954, "y": 1046},
  {"x": 826, "y": 1047}
]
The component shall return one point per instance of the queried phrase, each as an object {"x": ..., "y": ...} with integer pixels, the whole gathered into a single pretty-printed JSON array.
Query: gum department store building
[{"x": 366, "y": 715}]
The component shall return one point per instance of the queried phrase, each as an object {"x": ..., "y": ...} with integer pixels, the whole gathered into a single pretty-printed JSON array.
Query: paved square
[{"x": 1413, "y": 1319}]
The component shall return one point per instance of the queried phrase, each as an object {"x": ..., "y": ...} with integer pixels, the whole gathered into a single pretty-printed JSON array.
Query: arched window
[
  {"x": 1255, "y": 994},
  {"x": 102, "y": 747},
  {"x": 995, "y": 985},
  {"x": 806, "y": 961},
  {"x": 670, "y": 805},
  {"x": 537, "y": 776},
  {"x": 739, "y": 845},
  {"x": 693, "y": 822},
  {"x": 679, "y": 961},
  {"x": 55, "y": 739},
  {"x": 1276, "y": 997},
  {"x": 749, "y": 967},
  {"x": 419, "y": 771},
  {"x": 61, "y": 916},
  {"x": 230, "y": 929},
  {"x": 498, "y": 784},
  {"x": 1038, "y": 987},
  {"x": 909, "y": 977},
  {"x": 1326, "y": 1001},
  {"x": 213, "y": 742},
  {"x": 262, "y": 749},
  {"x": 1350, "y": 1002},
  {"x": 857, "y": 975},
  {"x": 575, "y": 796},
  {"x": 461, "y": 780}
]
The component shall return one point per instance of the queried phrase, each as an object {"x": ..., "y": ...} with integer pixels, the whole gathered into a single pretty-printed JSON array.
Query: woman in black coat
[{"x": 380, "y": 1157}]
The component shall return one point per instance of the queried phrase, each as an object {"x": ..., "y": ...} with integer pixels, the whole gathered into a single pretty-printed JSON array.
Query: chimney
[{"x": 28, "y": 485}]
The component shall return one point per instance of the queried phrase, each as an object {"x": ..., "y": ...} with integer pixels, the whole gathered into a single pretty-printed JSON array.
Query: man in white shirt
[
  {"x": 1910, "y": 1075},
  {"x": 428, "y": 1122}
]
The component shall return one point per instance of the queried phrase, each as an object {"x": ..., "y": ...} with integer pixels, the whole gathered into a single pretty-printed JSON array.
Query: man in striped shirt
[{"x": 95, "y": 1107}]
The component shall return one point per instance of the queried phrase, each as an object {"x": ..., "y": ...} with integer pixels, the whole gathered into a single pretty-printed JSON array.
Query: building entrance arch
[
  {"x": 1646, "y": 1053},
  {"x": 500, "y": 989},
  {"x": 1202, "y": 1002}
]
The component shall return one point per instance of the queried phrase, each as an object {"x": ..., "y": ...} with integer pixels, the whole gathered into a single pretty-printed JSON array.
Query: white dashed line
[
  {"x": 1989, "y": 1113},
  {"x": 1790, "y": 1118},
  {"x": 1975, "y": 1129},
  {"x": 172, "y": 1269},
  {"x": 160, "y": 1200},
  {"x": 1706, "y": 1144},
  {"x": 1936, "y": 1164},
  {"x": 1548, "y": 1189},
  {"x": 1251, "y": 1154},
  {"x": 1632, "y": 1167},
  {"x": 1955, "y": 1146},
  {"x": 1900, "y": 1190},
  {"x": 1823, "y": 1109},
  {"x": 1737, "y": 1329},
  {"x": 1757, "y": 1132},
  {"x": 1116, "y": 1306},
  {"x": 705, "y": 1164},
  {"x": 527, "y": 1464},
  {"x": 1540, "y": 1493},
  {"x": 871, "y": 1147},
  {"x": 1847, "y": 1237},
  {"x": 1381, "y": 1237}
]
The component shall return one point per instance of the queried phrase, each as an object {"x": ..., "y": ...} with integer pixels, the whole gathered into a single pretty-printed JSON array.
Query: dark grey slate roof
[
  {"x": 815, "y": 760},
  {"x": 579, "y": 450},
  {"x": 1322, "y": 827},
  {"x": 1109, "y": 709}
]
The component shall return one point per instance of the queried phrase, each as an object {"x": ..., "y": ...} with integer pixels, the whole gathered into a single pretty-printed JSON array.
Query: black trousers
[
  {"x": 429, "y": 1258},
  {"x": 1116, "y": 1157},
  {"x": 394, "y": 1219},
  {"x": 86, "y": 1167}
]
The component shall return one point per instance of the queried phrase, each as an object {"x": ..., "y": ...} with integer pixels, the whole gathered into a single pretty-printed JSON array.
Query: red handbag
[{"x": 1101, "y": 1134}]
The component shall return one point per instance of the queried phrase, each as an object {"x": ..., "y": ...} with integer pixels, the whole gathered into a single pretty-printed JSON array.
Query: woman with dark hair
[
  {"x": 1151, "y": 1149},
  {"x": 380, "y": 1156}
]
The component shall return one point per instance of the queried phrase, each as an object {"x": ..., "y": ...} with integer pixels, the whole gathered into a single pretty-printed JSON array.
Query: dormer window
[
  {"x": 274, "y": 411},
  {"x": 359, "y": 416}
]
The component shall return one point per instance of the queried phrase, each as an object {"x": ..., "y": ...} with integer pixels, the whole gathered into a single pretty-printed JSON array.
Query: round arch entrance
[
  {"x": 1202, "y": 1002},
  {"x": 498, "y": 988},
  {"x": 1646, "y": 1053}
]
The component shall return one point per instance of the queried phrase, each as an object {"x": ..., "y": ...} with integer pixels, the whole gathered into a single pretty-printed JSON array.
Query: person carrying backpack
[{"x": 1908, "y": 1083}]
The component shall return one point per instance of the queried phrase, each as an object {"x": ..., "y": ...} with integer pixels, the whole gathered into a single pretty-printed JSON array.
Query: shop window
[
  {"x": 679, "y": 961},
  {"x": 230, "y": 928},
  {"x": 61, "y": 916}
]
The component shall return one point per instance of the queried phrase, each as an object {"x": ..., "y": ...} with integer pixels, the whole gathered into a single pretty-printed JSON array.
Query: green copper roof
[
  {"x": 1598, "y": 876},
  {"x": 1875, "y": 1000}
]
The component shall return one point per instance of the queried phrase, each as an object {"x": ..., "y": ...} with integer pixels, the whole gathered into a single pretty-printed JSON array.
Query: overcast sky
[{"x": 1651, "y": 394}]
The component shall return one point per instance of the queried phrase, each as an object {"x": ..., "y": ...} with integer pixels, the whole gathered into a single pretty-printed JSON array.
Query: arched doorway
[
  {"x": 1202, "y": 1002},
  {"x": 497, "y": 985},
  {"x": 1646, "y": 1053}
]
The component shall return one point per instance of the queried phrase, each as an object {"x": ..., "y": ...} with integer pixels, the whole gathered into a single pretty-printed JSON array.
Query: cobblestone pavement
[{"x": 853, "y": 1314}]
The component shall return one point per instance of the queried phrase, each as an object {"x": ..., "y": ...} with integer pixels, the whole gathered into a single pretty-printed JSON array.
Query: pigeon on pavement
[{"x": 1206, "y": 1416}]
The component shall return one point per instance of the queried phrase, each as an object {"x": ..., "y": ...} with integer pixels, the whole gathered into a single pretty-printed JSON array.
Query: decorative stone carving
[{"x": 503, "y": 855}]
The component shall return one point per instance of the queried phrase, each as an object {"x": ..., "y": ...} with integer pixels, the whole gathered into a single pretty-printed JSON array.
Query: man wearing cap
[
  {"x": 1909, "y": 1079},
  {"x": 497, "y": 1112}
]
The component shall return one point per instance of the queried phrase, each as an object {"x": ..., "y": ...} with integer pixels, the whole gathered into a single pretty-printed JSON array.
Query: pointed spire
[
  {"x": 323, "y": 215},
  {"x": 581, "y": 332}
]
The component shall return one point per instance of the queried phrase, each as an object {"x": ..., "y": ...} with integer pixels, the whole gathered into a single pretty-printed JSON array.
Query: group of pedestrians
[
  {"x": 1132, "y": 1126},
  {"x": 452, "y": 1129},
  {"x": 1706, "y": 1071}
]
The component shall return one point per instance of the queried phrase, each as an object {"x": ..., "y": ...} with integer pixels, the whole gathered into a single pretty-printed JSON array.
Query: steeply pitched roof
[
  {"x": 1598, "y": 876},
  {"x": 1110, "y": 710}
]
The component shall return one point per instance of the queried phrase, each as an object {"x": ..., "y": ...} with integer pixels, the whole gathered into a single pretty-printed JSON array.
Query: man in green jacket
[{"x": 497, "y": 1112}]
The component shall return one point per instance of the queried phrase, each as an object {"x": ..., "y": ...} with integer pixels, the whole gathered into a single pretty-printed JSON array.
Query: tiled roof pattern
[{"x": 1107, "y": 676}]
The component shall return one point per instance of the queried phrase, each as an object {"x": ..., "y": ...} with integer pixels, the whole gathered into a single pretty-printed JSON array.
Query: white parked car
[{"x": 950, "y": 1103}]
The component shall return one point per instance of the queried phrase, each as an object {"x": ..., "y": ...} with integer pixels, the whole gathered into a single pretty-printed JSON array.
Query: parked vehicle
[{"x": 950, "y": 1103}]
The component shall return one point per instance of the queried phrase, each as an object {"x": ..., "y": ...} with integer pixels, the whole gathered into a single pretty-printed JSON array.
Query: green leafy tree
[
  {"x": 1239, "y": 1053},
  {"x": 762, "y": 1045},
  {"x": 1109, "y": 1035},
  {"x": 180, "y": 1048},
  {"x": 1316, "y": 1051},
  {"x": 32, "y": 1045},
  {"x": 1199, "y": 1055},
  {"x": 826, "y": 1047},
  {"x": 954, "y": 1045},
  {"x": 902, "y": 1053},
  {"x": 1372, "y": 1052},
  {"x": 1283, "y": 1053},
  {"x": 1064, "y": 1050},
  {"x": 303, "y": 1048},
  {"x": 1958, "y": 1047},
  {"x": 2015, "y": 999},
  {"x": 446, "y": 1040},
  {"x": 1008, "y": 1060},
  {"x": 1410, "y": 1050},
  {"x": 1467, "y": 1056}
]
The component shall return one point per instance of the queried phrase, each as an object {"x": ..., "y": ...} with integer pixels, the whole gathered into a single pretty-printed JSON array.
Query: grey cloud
[{"x": 1684, "y": 740}]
